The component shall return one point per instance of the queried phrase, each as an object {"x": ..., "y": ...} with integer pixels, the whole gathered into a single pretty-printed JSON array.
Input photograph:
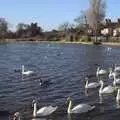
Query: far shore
[{"x": 61, "y": 41}]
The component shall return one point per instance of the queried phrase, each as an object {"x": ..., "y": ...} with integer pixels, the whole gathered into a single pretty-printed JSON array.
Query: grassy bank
[{"x": 61, "y": 41}]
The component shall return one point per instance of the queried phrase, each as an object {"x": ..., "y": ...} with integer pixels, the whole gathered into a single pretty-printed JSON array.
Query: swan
[
  {"x": 44, "y": 111},
  {"x": 81, "y": 108},
  {"x": 26, "y": 72},
  {"x": 91, "y": 85},
  {"x": 111, "y": 73},
  {"x": 109, "y": 49},
  {"x": 117, "y": 68},
  {"x": 100, "y": 72},
  {"x": 116, "y": 80},
  {"x": 106, "y": 90},
  {"x": 17, "y": 116}
]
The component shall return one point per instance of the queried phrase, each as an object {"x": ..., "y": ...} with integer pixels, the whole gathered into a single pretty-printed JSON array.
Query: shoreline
[{"x": 59, "y": 42}]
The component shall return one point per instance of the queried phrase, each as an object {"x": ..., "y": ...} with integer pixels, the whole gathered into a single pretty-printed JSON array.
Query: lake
[{"x": 65, "y": 66}]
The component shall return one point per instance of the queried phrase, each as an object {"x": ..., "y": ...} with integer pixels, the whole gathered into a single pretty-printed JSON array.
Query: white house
[{"x": 105, "y": 31}]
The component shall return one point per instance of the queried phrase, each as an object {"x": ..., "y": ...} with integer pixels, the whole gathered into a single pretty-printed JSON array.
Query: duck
[
  {"x": 92, "y": 84},
  {"x": 106, "y": 90},
  {"x": 80, "y": 108},
  {"x": 26, "y": 72},
  {"x": 17, "y": 116},
  {"x": 100, "y": 71},
  {"x": 44, "y": 111},
  {"x": 44, "y": 83}
]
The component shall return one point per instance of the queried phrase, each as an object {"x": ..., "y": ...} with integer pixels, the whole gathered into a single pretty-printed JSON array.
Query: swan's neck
[
  {"x": 98, "y": 69},
  {"x": 23, "y": 69},
  {"x": 19, "y": 118},
  {"x": 69, "y": 107},
  {"x": 100, "y": 90},
  {"x": 35, "y": 110},
  {"x": 118, "y": 95},
  {"x": 114, "y": 82},
  {"x": 111, "y": 71},
  {"x": 86, "y": 83}
]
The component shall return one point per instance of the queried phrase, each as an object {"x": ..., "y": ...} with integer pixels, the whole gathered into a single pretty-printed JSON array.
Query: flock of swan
[
  {"x": 80, "y": 108},
  {"x": 109, "y": 89}
]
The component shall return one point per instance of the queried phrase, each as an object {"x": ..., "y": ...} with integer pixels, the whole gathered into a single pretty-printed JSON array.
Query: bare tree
[
  {"x": 95, "y": 14},
  {"x": 81, "y": 19},
  {"x": 22, "y": 26},
  {"x": 3, "y": 27},
  {"x": 64, "y": 26},
  {"x": 81, "y": 22}
]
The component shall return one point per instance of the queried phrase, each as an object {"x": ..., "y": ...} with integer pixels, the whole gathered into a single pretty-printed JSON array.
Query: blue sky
[{"x": 49, "y": 13}]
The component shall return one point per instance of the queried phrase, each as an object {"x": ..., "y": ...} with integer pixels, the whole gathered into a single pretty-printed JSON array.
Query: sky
[{"x": 49, "y": 14}]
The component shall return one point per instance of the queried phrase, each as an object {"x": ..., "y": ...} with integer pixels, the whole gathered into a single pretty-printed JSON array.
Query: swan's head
[
  {"x": 16, "y": 116},
  {"x": 40, "y": 80},
  {"x": 34, "y": 102},
  {"x": 86, "y": 78},
  {"x": 101, "y": 82},
  {"x": 22, "y": 66},
  {"x": 68, "y": 100}
]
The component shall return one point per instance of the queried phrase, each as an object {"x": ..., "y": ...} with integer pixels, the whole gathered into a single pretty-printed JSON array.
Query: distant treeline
[{"x": 33, "y": 31}]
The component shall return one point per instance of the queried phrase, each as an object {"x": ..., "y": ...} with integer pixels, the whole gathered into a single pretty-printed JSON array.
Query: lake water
[{"x": 65, "y": 66}]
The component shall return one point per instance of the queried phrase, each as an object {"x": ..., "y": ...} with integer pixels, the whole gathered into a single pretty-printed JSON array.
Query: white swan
[
  {"x": 100, "y": 72},
  {"x": 116, "y": 80},
  {"x": 105, "y": 90},
  {"x": 81, "y": 108},
  {"x": 117, "y": 68},
  {"x": 109, "y": 49},
  {"x": 91, "y": 85},
  {"x": 111, "y": 73},
  {"x": 17, "y": 116},
  {"x": 26, "y": 72},
  {"x": 44, "y": 111}
]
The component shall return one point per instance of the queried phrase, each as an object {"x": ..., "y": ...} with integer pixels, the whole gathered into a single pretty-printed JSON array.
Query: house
[{"x": 111, "y": 28}]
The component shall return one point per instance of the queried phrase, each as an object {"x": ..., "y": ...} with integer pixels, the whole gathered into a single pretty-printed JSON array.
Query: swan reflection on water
[
  {"x": 40, "y": 119},
  {"x": 117, "y": 104}
]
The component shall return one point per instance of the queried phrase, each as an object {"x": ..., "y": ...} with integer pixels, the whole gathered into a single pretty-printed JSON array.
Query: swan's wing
[
  {"x": 38, "y": 119},
  {"x": 102, "y": 71},
  {"x": 94, "y": 84},
  {"x": 117, "y": 68},
  {"x": 118, "y": 80},
  {"x": 47, "y": 110},
  {"x": 28, "y": 72},
  {"x": 108, "y": 89},
  {"x": 81, "y": 108}
]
